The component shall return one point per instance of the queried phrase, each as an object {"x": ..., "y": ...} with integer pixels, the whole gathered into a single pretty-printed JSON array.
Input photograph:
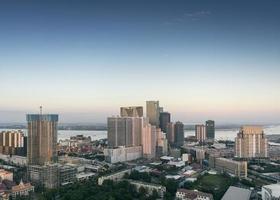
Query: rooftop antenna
[{"x": 41, "y": 108}]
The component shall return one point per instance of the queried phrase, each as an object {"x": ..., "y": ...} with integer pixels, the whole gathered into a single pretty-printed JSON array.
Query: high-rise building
[
  {"x": 170, "y": 134},
  {"x": 149, "y": 139},
  {"x": 161, "y": 144},
  {"x": 200, "y": 132},
  {"x": 11, "y": 142},
  {"x": 124, "y": 131},
  {"x": 251, "y": 142},
  {"x": 152, "y": 112},
  {"x": 179, "y": 134},
  {"x": 164, "y": 119},
  {"x": 42, "y": 138},
  {"x": 210, "y": 129},
  {"x": 133, "y": 111}
]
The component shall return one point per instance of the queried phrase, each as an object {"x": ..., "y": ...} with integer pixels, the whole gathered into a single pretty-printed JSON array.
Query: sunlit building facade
[
  {"x": 251, "y": 142},
  {"x": 132, "y": 111},
  {"x": 200, "y": 132},
  {"x": 42, "y": 138}
]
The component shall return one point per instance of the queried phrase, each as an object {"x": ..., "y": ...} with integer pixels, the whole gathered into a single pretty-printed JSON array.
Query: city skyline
[{"x": 200, "y": 60}]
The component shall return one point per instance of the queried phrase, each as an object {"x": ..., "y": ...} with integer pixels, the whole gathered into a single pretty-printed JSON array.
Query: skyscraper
[
  {"x": 124, "y": 131},
  {"x": 210, "y": 129},
  {"x": 164, "y": 119},
  {"x": 133, "y": 111},
  {"x": 179, "y": 134},
  {"x": 161, "y": 144},
  {"x": 149, "y": 139},
  {"x": 152, "y": 112},
  {"x": 11, "y": 142},
  {"x": 251, "y": 142},
  {"x": 42, "y": 138},
  {"x": 200, "y": 132},
  {"x": 170, "y": 133}
]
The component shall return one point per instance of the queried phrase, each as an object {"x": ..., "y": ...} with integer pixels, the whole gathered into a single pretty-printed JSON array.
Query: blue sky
[{"x": 85, "y": 59}]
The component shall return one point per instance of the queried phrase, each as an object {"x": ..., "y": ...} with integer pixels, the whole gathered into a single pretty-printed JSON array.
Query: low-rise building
[
  {"x": 122, "y": 154},
  {"x": 176, "y": 163},
  {"x": 197, "y": 153},
  {"x": 236, "y": 168},
  {"x": 6, "y": 175},
  {"x": 16, "y": 160},
  {"x": 149, "y": 187},
  {"x": 142, "y": 169},
  {"x": 184, "y": 194},
  {"x": 271, "y": 192},
  {"x": 84, "y": 176},
  {"x": 22, "y": 189},
  {"x": 176, "y": 153},
  {"x": 46, "y": 175},
  {"x": 114, "y": 176},
  {"x": 67, "y": 174},
  {"x": 186, "y": 157}
]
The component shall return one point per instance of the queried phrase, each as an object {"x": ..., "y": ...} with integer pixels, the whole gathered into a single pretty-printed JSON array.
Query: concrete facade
[
  {"x": 123, "y": 154},
  {"x": 46, "y": 175},
  {"x": 200, "y": 132},
  {"x": 237, "y": 168},
  {"x": 251, "y": 142},
  {"x": 271, "y": 192},
  {"x": 179, "y": 136},
  {"x": 42, "y": 138},
  {"x": 132, "y": 111},
  {"x": 149, "y": 187},
  {"x": 114, "y": 176},
  {"x": 210, "y": 129},
  {"x": 124, "y": 131},
  {"x": 149, "y": 139},
  {"x": 152, "y": 112},
  {"x": 164, "y": 119},
  {"x": 170, "y": 133}
]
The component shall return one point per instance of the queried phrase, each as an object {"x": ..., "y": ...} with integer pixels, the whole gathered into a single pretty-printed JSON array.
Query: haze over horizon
[{"x": 84, "y": 60}]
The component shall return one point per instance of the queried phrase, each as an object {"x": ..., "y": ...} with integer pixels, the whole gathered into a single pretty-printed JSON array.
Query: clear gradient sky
[{"x": 85, "y": 59}]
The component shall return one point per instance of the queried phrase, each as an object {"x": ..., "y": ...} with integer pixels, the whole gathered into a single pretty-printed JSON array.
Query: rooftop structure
[
  {"x": 114, "y": 176},
  {"x": 150, "y": 187},
  {"x": 132, "y": 111},
  {"x": 234, "y": 193},
  {"x": 6, "y": 175},
  {"x": 184, "y": 194},
  {"x": 22, "y": 189},
  {"x": 271, "y": 192}
]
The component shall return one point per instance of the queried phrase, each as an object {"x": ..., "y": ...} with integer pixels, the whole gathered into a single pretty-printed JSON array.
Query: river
[{"x": 220, "y": 134}]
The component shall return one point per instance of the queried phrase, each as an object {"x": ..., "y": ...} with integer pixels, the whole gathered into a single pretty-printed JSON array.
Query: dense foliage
[
  {"x": 213, "y": 184},
  {"x": 90, "y": 190}
]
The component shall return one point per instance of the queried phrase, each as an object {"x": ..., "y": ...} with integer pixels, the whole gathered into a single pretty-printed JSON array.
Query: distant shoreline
[{"x": 77, "y": 127}]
